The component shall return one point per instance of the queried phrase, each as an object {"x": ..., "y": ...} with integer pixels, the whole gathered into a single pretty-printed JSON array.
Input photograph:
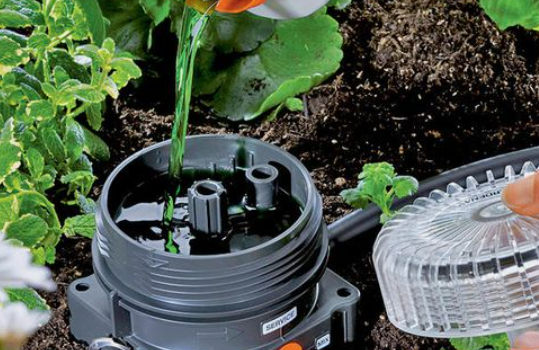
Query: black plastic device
[{"x": 276, "y": 294}]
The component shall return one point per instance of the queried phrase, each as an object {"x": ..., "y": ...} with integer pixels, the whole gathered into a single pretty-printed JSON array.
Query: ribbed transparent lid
[{"x": 459, "y": 263}]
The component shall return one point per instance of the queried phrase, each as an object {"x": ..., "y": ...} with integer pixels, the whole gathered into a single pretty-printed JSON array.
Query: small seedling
[
  {"x": 379, "y": 184},
  {"x": 494, "y": 342}
]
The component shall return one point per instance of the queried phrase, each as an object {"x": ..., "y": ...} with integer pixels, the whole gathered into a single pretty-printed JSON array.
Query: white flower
[
  {"x": 18, "y": 271},
  {"x": 18, "y": 323}
]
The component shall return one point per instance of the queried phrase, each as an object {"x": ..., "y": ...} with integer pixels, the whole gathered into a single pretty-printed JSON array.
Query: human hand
[
  {"x": 522, "y": 196},
  {"x": 526, "y": 341}
]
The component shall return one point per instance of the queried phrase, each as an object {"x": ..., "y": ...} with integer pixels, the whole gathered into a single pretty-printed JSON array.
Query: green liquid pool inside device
[
  {"x": 461, "y": 264},
  {"x": 251, "y": 274},
  {"x": 234, "y": 211}
]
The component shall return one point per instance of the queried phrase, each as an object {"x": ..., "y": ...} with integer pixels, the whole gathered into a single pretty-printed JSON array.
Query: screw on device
[
  {"x": 262, "y": 186},
  {"x": 208, "y": 207}
]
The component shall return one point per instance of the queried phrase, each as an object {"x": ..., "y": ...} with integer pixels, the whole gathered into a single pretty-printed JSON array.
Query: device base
[{"x": 332, "y": 321}]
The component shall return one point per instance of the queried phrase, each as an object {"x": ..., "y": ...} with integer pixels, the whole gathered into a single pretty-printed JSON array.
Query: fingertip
[
  {"x": 527, "y": 341},
  {"x": 521, "y": 197}
]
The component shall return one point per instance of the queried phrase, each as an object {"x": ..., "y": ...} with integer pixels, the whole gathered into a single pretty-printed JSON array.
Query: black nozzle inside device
[
  {"x": 208, "y": 207},
  {"x": 262, "y": 186}
]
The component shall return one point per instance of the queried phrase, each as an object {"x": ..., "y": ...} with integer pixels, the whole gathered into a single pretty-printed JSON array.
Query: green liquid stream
[{"x": 192, "y": 27}]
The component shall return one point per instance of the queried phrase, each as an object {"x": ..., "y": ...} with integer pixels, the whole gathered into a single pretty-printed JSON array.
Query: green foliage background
[
  {"x": 379, "y": 184},
  {"x": 509, "y": 13},
  {"x": 493, "y": 342},
  {"x": 56, "y": 69},
  {"x": 247, "y": 65}
]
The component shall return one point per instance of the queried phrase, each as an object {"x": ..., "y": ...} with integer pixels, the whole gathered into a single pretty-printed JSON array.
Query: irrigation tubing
[{"x": 362, "y": 221}]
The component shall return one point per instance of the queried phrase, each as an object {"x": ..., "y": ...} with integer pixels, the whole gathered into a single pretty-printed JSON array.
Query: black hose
[{"x": 361, "y": 221}]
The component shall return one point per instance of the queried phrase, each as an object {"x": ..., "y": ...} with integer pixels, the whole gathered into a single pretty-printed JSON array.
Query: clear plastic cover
[{"x": 460, "y": 263}]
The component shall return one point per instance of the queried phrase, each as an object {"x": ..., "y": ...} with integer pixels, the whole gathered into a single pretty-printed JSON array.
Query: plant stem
[
  {"x": 193, "y": 25},
  {"x": 48, "y": 7},
  {"x": 77, "y": 111},
  {"x": 59, "y": 39}
]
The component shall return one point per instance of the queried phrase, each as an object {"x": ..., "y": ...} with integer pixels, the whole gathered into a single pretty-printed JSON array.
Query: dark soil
[{"x": 425, "y": 84}]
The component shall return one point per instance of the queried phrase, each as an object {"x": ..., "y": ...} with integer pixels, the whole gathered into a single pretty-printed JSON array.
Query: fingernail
[{"x": 521, "y": 194}]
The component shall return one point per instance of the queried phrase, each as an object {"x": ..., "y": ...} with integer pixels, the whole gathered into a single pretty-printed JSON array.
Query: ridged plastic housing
[
  {"x": 260, "y": 298},
  {"x": 460, "y": 263},
  {"x": 216, "y": 286}
]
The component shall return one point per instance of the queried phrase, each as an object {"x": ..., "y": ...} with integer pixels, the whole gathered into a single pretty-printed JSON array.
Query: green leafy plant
[
  {"x": 380, "y": 184},
  {"x": 56, "y": 70},
  {"x": 492, "y": 342},
  {"x": 509, "y": 13},
  {"x": 291, "y": 61},
  {"x": 247, "y": 65}
]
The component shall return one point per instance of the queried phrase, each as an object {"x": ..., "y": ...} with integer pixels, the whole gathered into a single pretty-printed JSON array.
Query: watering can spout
[{"x": 288, "y": 9}]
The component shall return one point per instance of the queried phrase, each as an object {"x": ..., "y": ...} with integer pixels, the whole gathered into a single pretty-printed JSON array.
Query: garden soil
[{"x": 428, "y": 85}]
